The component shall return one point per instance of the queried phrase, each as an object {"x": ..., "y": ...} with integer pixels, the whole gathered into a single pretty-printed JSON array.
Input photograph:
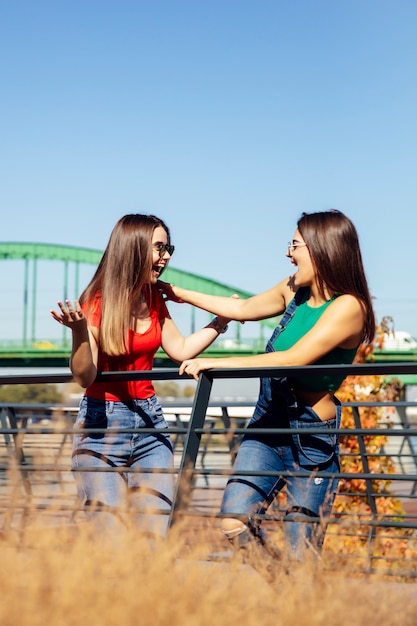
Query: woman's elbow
[{"x": 84, "y": 379}]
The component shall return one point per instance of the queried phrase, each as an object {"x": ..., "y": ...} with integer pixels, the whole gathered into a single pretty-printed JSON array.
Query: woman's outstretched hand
[
  {"x": 70, "y": 315},
  {"x": 168, "y": 292}
]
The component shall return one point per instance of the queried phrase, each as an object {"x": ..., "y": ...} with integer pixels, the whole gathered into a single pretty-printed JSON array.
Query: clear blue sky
[{"x": 227, "y": 118}]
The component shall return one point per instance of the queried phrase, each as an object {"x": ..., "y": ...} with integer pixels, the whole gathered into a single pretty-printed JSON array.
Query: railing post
[
  {"x": 368, "y": 482},
  {"x": 191, "y": 446}
]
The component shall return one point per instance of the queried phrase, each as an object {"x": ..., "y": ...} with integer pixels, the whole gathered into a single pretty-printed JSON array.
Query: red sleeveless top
[{"x": 139, "y": 356}]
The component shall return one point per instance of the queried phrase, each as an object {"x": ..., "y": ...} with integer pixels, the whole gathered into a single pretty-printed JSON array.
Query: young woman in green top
[{"x": 328, "y": 313}]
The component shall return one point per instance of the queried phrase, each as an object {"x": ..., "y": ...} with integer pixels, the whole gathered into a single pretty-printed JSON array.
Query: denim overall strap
[
  {"x": 286, "y": 318},
  {"x": 264, "y": 403}
]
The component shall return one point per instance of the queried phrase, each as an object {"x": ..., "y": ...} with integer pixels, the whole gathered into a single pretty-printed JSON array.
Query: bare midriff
[{"x": 322, "y": 402}]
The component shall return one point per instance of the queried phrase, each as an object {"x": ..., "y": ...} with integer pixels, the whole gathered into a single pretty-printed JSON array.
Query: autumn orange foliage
[{"x": 384, "y": 545}]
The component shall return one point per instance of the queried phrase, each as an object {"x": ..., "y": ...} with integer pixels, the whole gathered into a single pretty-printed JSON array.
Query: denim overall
[{"x": 309, "y": 495}]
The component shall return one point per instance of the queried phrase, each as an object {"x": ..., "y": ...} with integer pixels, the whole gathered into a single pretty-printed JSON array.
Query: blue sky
[{"x": 226, "y": 118}]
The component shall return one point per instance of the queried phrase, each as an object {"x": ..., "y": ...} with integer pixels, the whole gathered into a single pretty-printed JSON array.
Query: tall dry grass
[
  {"x": 58, "y": 573},
  {"x": 69, "y": 575}
]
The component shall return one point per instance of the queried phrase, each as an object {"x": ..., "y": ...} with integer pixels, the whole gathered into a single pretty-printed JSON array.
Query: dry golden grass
[
  {"x": 63, "y": 576},
  {"x": 57, "y": 573}
]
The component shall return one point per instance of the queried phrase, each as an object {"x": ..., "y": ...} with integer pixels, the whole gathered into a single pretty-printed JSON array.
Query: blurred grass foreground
[{"x": 61, "y": 576}]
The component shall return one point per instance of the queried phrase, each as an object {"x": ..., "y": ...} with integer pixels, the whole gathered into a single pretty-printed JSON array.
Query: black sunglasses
[{"x": 164, "y": 247}]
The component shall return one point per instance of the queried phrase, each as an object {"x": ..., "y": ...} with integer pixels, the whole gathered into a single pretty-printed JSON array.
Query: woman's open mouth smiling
[{"x": 158, "y": 269}]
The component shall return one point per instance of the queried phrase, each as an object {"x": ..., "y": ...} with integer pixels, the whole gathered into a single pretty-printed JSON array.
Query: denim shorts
[{"x": 127, "y": 463}]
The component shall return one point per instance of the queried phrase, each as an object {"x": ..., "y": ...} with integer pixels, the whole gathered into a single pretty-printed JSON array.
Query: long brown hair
[
  {"x": 122, "y": 276},
  {"x": 333, "y": 244}
]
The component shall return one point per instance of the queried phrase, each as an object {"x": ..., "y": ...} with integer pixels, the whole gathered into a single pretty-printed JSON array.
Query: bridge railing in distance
[
  {"x": 56, "y": 352},
  {"x": 205, "y": 436}
]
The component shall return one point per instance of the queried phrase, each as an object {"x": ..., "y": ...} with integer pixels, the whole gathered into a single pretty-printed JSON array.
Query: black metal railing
[{"x": 36, "y": 439}]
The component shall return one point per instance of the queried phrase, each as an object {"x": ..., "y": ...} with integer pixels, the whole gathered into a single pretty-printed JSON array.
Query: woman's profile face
[
  {"x": 300, "y": 257},
  {"x": 161, "y": 252}
]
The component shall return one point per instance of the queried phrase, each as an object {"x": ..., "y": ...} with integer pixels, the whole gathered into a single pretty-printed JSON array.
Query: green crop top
[{"x": 302, "y": 321}]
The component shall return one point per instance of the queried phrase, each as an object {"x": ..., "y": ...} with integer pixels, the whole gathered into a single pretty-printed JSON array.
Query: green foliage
[{"x": 30, "y": 394}]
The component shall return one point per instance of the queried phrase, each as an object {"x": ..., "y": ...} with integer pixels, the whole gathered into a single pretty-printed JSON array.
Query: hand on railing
[{"x": 193, "y": 367}]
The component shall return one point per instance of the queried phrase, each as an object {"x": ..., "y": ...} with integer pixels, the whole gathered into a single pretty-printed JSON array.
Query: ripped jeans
[
  {"x": 308, "y": 494},
  {"x": 144, "y": 493}
]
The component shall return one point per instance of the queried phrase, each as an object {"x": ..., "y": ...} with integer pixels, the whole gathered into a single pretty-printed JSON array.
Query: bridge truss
[{"x": 32, "y": 349}]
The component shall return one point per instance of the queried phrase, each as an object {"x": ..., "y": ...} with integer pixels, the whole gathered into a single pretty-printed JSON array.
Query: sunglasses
[{"x": 161, "y": 248}]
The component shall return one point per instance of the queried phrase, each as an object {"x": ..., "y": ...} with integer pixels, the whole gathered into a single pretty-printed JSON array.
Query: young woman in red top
[{"x": 118, "y": 324}]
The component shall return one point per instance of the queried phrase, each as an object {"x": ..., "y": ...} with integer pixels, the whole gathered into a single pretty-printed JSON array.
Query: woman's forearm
[
  {"x": 193, "y": 367},
  {"x": 258, "y": 307},
  {"x": 228, "y": 307},
  {"x": 81, "y": 361},
  {"x": 180, "y": 348},
  {"x": 199, "y": 341}
]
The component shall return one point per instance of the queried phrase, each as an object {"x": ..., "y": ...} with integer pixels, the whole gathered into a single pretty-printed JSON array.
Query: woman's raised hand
[{"x": 70, "y": 315}]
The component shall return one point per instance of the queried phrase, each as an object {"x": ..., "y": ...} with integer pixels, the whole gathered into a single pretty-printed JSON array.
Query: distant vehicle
[
  {"x": 399, "y": 341},
  {"x": 44, "y": 345}
]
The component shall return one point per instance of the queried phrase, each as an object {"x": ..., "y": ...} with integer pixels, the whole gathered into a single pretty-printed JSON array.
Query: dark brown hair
[{"x": 333, "y": 244}]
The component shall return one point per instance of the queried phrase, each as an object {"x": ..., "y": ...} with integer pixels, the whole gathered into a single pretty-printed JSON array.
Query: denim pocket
[
  {"x": 318, "y": 448},
  {"x": 153, "y": 415},
  {"x": 91, "y": 419}
]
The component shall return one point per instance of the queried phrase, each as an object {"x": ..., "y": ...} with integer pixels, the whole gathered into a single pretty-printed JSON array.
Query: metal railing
[{"x": 36, "y": 443}]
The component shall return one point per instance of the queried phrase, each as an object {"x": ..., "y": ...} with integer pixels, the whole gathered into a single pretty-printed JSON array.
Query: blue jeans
[
  {"x": 145, "y": 493},
  {"x": 308, "y": 495}
]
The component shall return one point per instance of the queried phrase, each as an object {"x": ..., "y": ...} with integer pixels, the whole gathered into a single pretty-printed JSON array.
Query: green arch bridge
[{"x": 32, "y": 350}]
